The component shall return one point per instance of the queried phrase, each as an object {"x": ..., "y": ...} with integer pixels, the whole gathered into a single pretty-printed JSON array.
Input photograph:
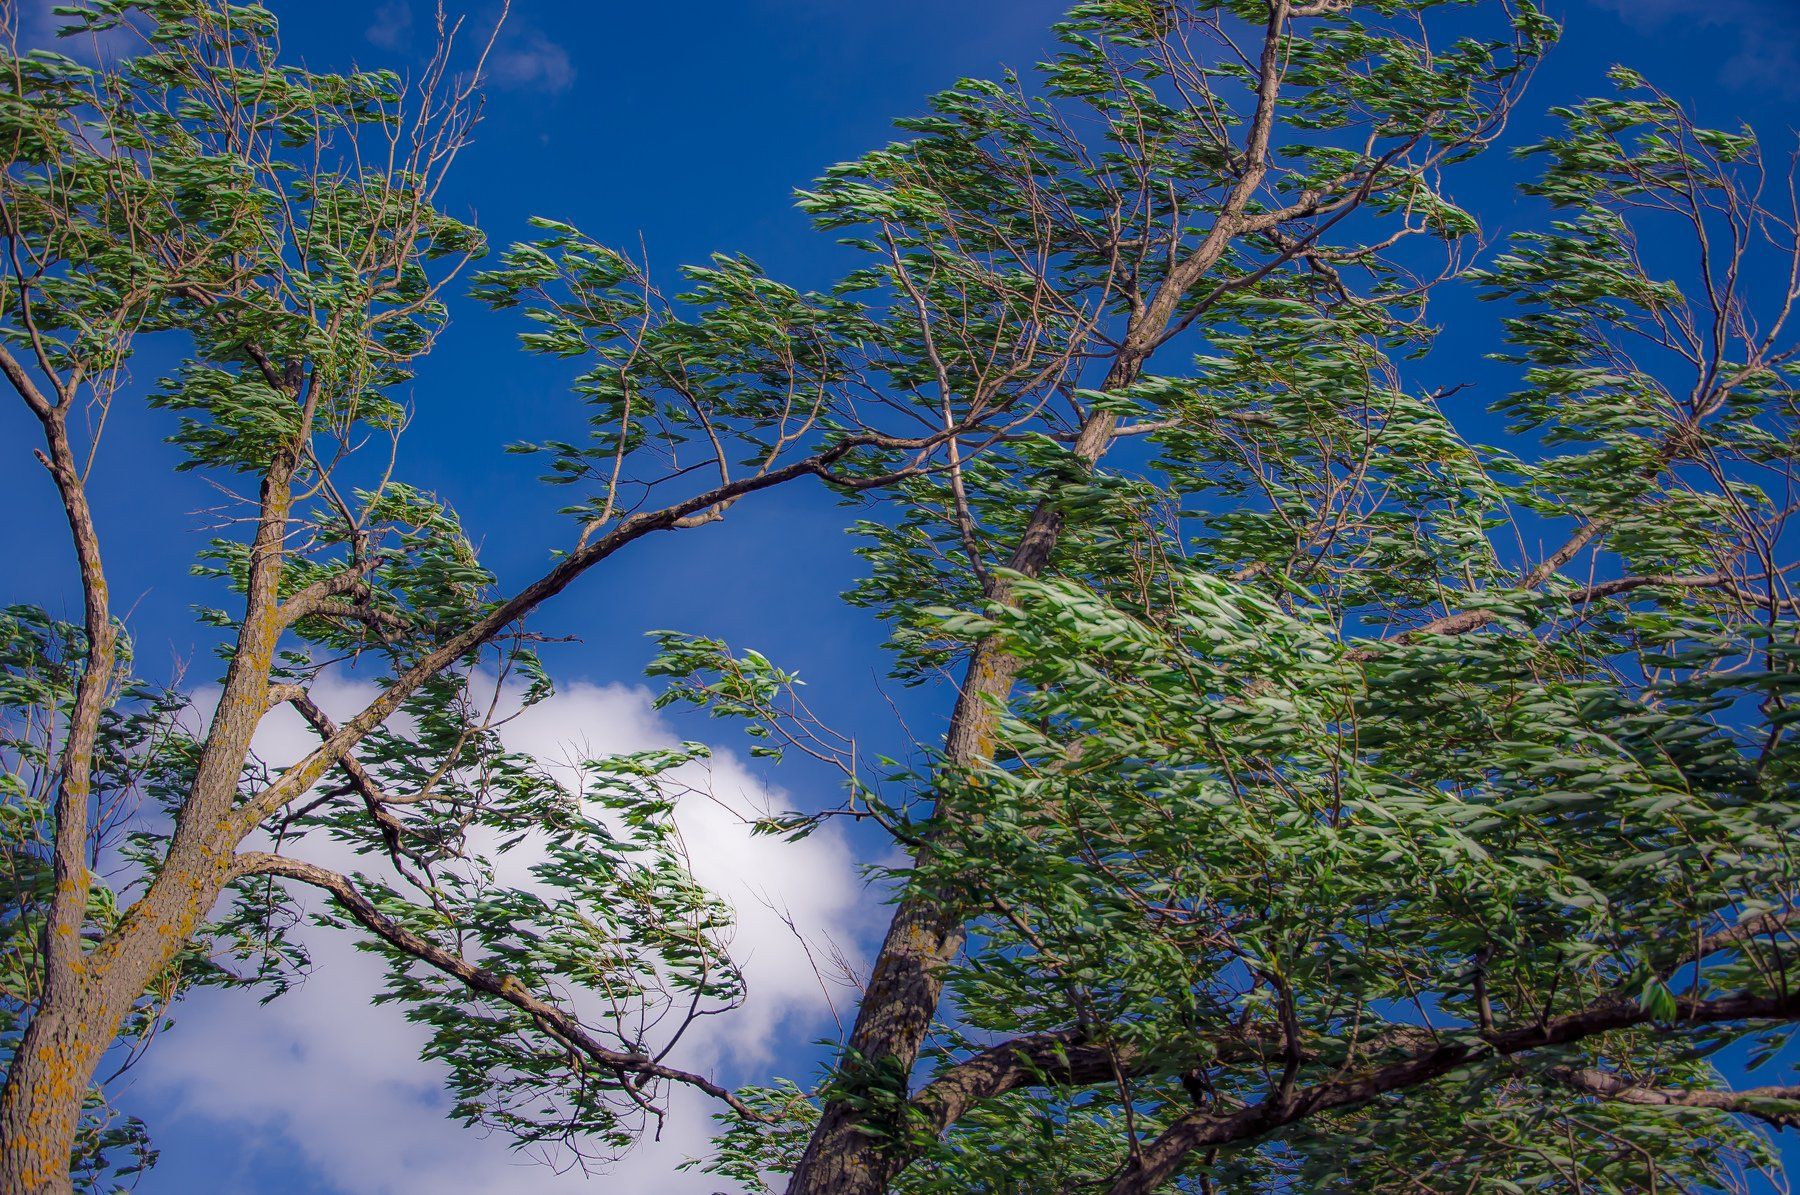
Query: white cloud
[
  {"x": 39, "y": 26},
  {"x": 390, "y": 25},
  {"x": 327, "y": 1078},
  {"x": 1768, "y": 53},
  {"x": 529, "y": 61}
]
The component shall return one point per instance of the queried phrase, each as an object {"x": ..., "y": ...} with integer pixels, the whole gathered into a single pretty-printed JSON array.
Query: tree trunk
[
  {"x": 40, "y": 1106},
  {"x": 927, "y": 929},
  {"x": 50, "y": 1073}
]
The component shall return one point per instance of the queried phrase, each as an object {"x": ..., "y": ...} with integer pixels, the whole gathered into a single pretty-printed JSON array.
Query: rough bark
[
  {"x": 88, "y": 994},
  {"x": 40, "y": 1113}
]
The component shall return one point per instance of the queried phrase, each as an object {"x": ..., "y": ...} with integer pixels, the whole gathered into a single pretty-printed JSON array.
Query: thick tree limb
[
  {"x": 1065, "y": 1057},
  {"x": 339, "y": 584},
  {"x": 1159, "y": 1161},
  {"x": 1072, "y": 1057},
  {"x": 383, "y": 621}
]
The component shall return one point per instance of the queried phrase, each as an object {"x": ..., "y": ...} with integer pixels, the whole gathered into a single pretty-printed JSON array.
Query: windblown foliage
[{"x": 1303, "y": 821}]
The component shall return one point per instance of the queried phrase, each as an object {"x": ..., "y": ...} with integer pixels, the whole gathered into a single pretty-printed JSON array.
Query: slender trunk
[
  {"x": 927, "y": 929},
  {"x": 47, "y": 1078}
]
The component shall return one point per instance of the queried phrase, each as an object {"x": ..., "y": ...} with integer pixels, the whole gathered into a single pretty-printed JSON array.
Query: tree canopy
[{"x": 1330, "y": 799}]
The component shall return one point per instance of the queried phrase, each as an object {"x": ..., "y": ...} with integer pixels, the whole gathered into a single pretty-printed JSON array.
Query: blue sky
[{"x": 683, "y": 128}]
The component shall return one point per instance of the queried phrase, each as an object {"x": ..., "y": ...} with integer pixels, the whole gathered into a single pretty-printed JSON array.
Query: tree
[
  {"x": 276, "y": 228},
  {"x": 1297, "y": 825}
]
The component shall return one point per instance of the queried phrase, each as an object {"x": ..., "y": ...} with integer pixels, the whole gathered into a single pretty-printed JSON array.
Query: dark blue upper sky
[{"x": 686, "y": 127}]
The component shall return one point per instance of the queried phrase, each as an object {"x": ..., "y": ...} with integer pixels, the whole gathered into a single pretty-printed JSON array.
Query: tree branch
[
  {"x": 1465, "y": 621},
  {"x": 550, "y": 1018},
  {"x": 1067, "y": 1057},
  {"x": 1754, "y": 1101},
  {"x": 1162, "y": 1158},
  {"x": 1074, "y": 1057},
  {"x": 302, "y": 775},
  {"x": 360, "y": 779}
]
